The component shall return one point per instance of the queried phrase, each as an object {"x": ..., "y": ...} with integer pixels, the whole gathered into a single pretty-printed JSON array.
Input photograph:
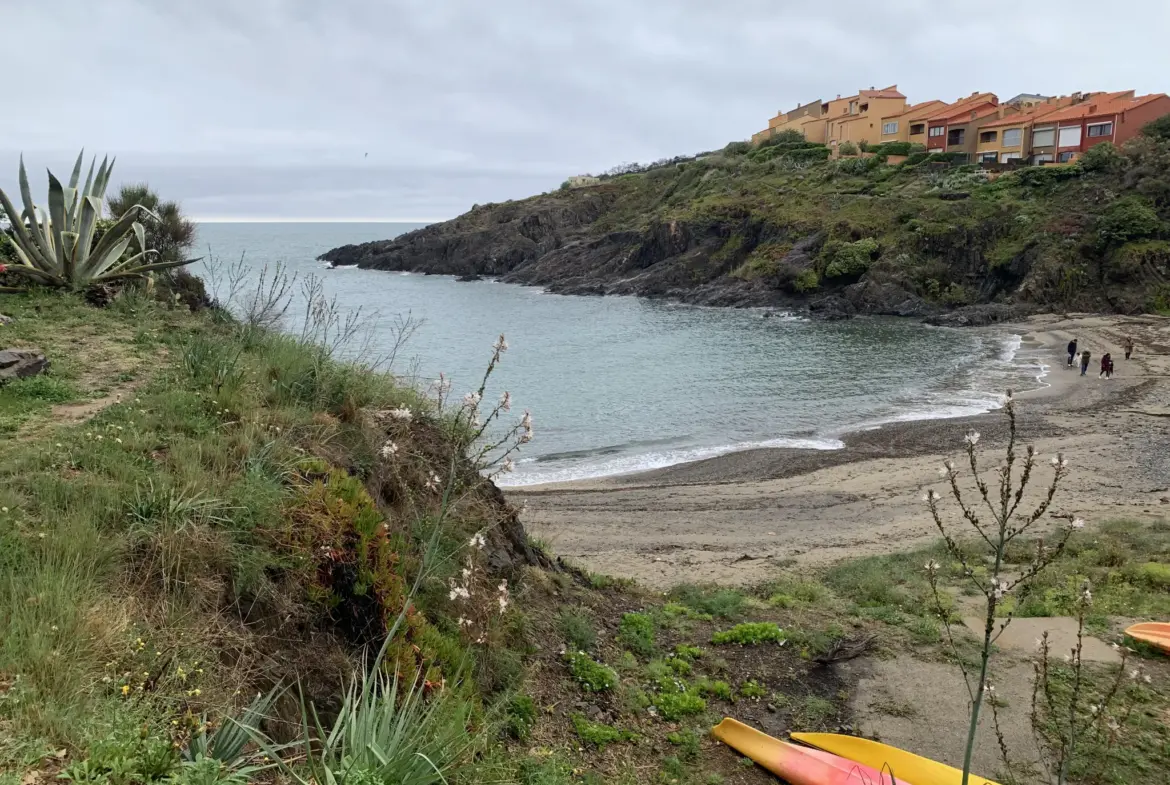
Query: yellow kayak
[
  {"x": 794, "y": 764},
  {"x": 906, "y": 766},
  {"x": 1155, "y": 633}
]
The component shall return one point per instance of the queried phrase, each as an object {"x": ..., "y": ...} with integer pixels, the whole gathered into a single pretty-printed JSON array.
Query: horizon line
[{"x": 219, "y": 220}]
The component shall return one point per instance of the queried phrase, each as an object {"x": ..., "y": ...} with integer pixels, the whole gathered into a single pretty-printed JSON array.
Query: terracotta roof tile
[
  {"x": 919, "y": 109},
  {"x": 963, "y": 106}
]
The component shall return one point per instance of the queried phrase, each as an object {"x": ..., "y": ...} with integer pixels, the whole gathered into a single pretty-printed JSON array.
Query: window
[
  {"x": 1064, "y": 158},
  {"x": 889, "y": 128},
  {"x": 1043, "y": 159},
  {"x": 1044, "y": 138},
  {"x": 987, "y": 136},
  {"x": 917, "y": 128},
  {"x": 957, "y": 136},
  {"x": 1069, "y": 137},
  {"x": 1101, "y": 129},
  {"x": 987, "y": 158},
  {"x": 938, "y": 130},
  {"x": 1006, "y": 157},
  {"x": 1012, "y": 137}
]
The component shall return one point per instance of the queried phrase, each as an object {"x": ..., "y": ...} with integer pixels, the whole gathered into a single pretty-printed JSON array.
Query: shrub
[
  {"x": 848, "y": 260},
  {"x": 916, "y": 157},
  {"x": 1129, "y": 218},
  {"x": 598, "y": 734},
  {"x": 521, "y": 717},
  {"x": 688, "y": 653},
  {"x": 721, "y": 603},
  {"x": 806, "y": 281},
  {"x": 809, "y": 154},
  {"x": 752, "y": 689},
  {"x": 1155, "y": 575},
  {"x": 714, "y": 689},
  {"x": 737, "y": 148},
  {"x": 636, "y": 633},
  {"x": 1158, "y": 129},
  {"x": 687, "y": 741},
  {"x": 1102, "y": 157},
  {"x": 750, "y": 633},
  {"x": 590, "y": 674},
  {"x": 847, "y": 148},
  {"x": 673, "y": 705},
  {"x": 577, "y": 629}
]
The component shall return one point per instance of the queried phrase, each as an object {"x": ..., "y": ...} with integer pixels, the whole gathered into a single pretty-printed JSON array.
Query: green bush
[
  {"x": 892, "y": 148},
  {"x": 737, "y": 148},
  {"x": 637, "y": 633},
  {"x": 848, "y": 260},
  {"x": 720, "y": 603},
  {"x": 1154, "y": 574},
  {"x": 916, "y": 157},
  {"x": 1102, "y": 157},
  {"x": 673, "y": 705},
  {"x": 521, "y": 717},
  {"x": 750, "y": 633},
  {"x": 1128, "y": 218},
  {"x": 590, "y": 674},
  {"x": 688, "y": 653},
  {"x": 847, "y": 148},
  {"x": 577, "y": 629},
  {"x": 1158, "y": 129},
  {"x": 752, "y": 689},
  {"x": 687, "y": 741},
  {"x": 598, "y": 734},
  {"x": 806, "y": 281},
  {"x": 714, "y": 689}
]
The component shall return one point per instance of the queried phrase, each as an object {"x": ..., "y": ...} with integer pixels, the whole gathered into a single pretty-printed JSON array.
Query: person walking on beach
[
  {"x": 1128, "y": 346},
  {"x": 1072, "y": 352},
  {"x": 1084, "y": 362},
  {"x": 1106, "y": 366}
]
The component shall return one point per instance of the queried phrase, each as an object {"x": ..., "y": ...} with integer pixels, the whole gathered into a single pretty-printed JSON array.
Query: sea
[{"x": 621, "y": 384}]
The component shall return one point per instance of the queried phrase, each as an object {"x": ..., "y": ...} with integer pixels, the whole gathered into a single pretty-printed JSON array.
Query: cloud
[{"x": 419, "y": 108}]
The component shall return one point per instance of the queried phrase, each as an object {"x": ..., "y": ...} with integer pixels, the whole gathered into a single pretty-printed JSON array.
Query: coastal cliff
[{"x": 757, "y": 227}]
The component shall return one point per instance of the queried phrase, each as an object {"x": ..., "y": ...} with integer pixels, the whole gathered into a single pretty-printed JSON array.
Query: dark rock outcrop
[{"x": 21, "y": 363}]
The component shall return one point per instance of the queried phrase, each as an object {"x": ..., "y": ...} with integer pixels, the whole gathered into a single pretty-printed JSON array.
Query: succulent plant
[{"x": 58, "y": 249}]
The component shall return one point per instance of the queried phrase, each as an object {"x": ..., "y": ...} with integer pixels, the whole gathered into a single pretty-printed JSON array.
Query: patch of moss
[
  {"x": 749, "y": 634},
  {"x": 590, "y": 674},
  {"x": 599, "y": 734}
]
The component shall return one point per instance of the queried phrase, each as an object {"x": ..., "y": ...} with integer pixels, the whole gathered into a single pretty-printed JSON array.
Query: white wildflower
[
  {"x": 471, "y": 400},
  {"x": 972, "y": 438},
  {"x": 1113, "y": 726},
  {"x": 506, "y": 401},
  {"x": 466, "y": 573},
  {"x": 508, "y": 465},
  {"x": 459, "y": 592},
  {"x": 433, "y": 482},
  {"x": 998, "y": 588},
  {"x": 389, "y": 449},
  {"x": 500, "y": 346},
  {"x": 401, "y": 413},
  {"x": 932, "y": 566},
  {"x": 1115, "y": 647},
  {"x": 1078, "y": 523},
  {"x": 943, "y": 471},
  {"x": 1146, "y": 678},
  {"x": 1094, "y": 709},
  {"x": 1133, "y": 674},
  {"x": 477, "y": 541},
  {"x": 934, "y": 496}
]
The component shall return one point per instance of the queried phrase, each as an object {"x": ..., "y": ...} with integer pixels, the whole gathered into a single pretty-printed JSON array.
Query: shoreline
[{"x": 736, "y": 517}]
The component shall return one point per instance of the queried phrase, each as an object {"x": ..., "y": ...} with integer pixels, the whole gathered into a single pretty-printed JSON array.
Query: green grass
[
  {"x": 598, "y": 734},
  {"x": 712, "y": 601},
  {"x": 636, "y": 633},
  {"x": 749, "y": 634},
  {"x": 590, "y": 674},
  {"x": 577, "y": 629}
]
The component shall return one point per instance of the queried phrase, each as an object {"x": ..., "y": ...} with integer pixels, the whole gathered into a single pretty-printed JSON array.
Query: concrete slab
[{"x": 1023, "y": 633}]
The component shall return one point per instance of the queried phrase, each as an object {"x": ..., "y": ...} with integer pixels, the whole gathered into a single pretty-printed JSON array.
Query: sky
[{"x": 415, "y": 110}]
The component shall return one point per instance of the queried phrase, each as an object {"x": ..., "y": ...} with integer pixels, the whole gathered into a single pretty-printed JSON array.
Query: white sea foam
[{"x": 631, "y": 464}]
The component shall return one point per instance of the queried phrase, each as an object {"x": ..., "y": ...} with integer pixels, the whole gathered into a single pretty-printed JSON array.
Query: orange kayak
[
  {"x": 1155, "y": 633},
  {"x": 796, "y": 765}
]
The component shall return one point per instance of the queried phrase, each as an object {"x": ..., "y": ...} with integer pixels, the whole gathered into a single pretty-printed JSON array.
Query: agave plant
[{"x": 58, "y": 249}]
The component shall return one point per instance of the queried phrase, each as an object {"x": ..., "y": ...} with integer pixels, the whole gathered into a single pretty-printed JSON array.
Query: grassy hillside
[{"x": 195, "y": 511}]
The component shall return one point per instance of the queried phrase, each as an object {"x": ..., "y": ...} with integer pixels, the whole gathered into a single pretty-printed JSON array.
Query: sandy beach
[{"x": 736, "y": 518}]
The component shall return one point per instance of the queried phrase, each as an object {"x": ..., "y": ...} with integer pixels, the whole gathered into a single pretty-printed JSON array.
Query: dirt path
[{"x": 737, "y": 518}]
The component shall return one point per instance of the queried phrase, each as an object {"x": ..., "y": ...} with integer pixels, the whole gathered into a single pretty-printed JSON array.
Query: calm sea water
[{"x": 619, "y": 384}]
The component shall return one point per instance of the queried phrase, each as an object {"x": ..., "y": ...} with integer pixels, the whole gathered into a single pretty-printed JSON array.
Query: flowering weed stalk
[
  {"x": 996, "y": 518},
  {"x": 1065, "y": 720}
]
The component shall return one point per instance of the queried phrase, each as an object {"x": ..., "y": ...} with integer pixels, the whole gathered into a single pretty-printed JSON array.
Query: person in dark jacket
[
  {"x": 1072, "y": 352},
  {"x": 1128, "y": 346},
  {"x": 1084, "y": 362},
  {"x": 1107, "y": 365}
]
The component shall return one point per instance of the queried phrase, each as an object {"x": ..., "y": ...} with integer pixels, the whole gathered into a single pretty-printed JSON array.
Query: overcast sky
[{"x": 416, "y": 109}]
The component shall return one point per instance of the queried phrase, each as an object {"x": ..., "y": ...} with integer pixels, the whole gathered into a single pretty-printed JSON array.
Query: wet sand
[{"x": 737, "y": 518}]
